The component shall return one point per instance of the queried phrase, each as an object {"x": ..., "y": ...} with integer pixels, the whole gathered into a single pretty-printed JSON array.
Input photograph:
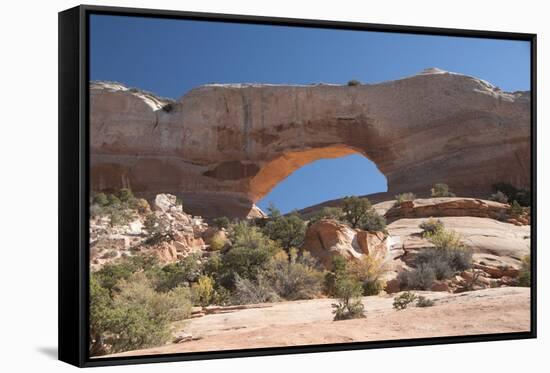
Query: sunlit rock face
[{"x": 221, "y": 148}]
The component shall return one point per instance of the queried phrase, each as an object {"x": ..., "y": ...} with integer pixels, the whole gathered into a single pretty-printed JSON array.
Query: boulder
[
  {"x": 328, "y": 238},
  {"x": 167, "y": 203}
]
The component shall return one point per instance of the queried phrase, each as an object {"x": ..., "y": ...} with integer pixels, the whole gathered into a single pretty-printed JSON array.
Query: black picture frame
[{"x": 74, "y": 187}]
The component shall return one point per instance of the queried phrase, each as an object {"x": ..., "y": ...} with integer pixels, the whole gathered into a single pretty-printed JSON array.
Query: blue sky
[{"x": 169, "y": 57}]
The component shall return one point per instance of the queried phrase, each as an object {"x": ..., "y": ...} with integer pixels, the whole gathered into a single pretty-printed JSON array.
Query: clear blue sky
[{"x": 169, "y": 57}]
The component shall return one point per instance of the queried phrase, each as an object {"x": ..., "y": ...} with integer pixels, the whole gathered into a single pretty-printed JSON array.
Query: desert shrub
[
  {"x": 421, "y": 277},
  {"x": 522, "y": 196},
  {"x": 400, "y": 198},
  {"x": 142, "y": 206},
  {"x": 134, "y": 316},
  {"x": 446, "y": 239},
  {"x": 516, "y": 209},
  {"x": 100, "y": 199},
  {"x": 349, "y": 306},
  {"x": 249, "y": 291},
  {"x": 140, "y": 316},
  {"x": 422, "y": 301},
  {"x": 354, "y": 82},
  {"x": 292, "y": 279},
  {"x": 125, "y": 195},
  {"x": 441, "y": 190},
  {"x": 216, "y": 242},
  {"x": 338, "y": 270},
  {"x": 203, "y": 290},
  {"x": 168, "y": 107},
  {"x": 221, "y": 222},
  {"x": 172, "y": 275},
  {"x": 499, "y": 197},
  {"x": 288, "y": 231},
  {"x": 525, "y": 271},
  {"x": 249, "y": 254},
  {"x": 335, "y": 213},
  {"x": 369, "y": 271},
  {"x": 373, "y": 222},
  {"x": 355, "y": 209},
  {"x": 112, "y": 273},
  {"x": 431, "y": 226},
  {"x": 403, "y": 300},
  {"x": 100, "y": 308}
]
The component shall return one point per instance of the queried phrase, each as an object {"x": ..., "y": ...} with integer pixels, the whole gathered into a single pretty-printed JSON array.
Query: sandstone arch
[{"x": 223, "y": 147}]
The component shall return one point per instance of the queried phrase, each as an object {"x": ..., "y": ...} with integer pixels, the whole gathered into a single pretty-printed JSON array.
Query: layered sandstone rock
[
  {"x": 223, "y": 147},
  {"x": 328, "y": 238},
  {"x": 449, "y": 206},
  {"x": 498, "y": 248}
]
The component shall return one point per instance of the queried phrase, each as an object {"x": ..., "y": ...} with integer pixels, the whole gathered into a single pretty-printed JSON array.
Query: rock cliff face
[{"x": 221, "y": 148}]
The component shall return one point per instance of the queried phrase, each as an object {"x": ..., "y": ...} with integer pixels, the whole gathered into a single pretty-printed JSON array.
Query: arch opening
[{"x": 302, "y": 179}]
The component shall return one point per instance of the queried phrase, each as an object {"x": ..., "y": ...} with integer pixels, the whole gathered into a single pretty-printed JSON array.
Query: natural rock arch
[{"x": 223, "y": 147}]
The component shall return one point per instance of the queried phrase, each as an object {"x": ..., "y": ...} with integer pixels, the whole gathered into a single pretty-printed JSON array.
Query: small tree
[
  {"x": 349, "y": 306},
  {"x": 100, "y": 199},
  {"x": 288, "y": 231},
  {"x": 441, "y": 190},
  {"x": 356, "y": 210},
  {"x": 354, "y": 82}
]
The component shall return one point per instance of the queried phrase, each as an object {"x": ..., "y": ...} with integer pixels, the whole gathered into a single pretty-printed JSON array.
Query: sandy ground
[{"x": 296, "y": 323}]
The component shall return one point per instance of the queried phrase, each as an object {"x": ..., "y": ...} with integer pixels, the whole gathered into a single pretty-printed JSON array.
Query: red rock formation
[{"x": 221, "y": 148}]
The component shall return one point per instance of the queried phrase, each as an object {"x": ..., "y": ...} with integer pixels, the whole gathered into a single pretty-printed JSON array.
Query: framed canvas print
[{"x": 235, "y": 186}]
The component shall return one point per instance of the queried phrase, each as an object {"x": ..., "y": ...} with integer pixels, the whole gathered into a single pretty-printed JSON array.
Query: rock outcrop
[
  {"x": 328, "y": 238},
  {"x": 449, "y": 206},
  {"x": 221, "y": 148},
  {"x": 108, "y": 243}
]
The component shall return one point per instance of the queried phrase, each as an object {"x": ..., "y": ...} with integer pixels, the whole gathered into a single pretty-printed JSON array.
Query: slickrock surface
[
  {"x": 221, "y": 148},
  {"x": 498, "y": 310}
]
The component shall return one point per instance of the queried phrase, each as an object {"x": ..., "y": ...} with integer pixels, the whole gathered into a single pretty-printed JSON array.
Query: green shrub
[
  {"x": 177, "y": 274},
  {"x": 125, "y": 195},
  {"x": 288, "y": 231},
  {"x": 403, "y": 197},
  {"x": 249, "y": 291},
  {"x": 135, "y": 316},
  {"x": 100, "y": 199},
  {"x": 525, "y": 271},
  {"x": 516, "y": 210},
  {"x": 334, "y": 213},
  {"x": 339, "y": 269},
  {"x": 499, "y": 197},
  {"x": 293, "y": 280},
  {"x": 100, "y": 308},
  {"x": 431, "y": 226},
  {"x": 349, "y": 306},
  {"x": 354, "y": 82},
  {"x": 422, "y": 301},
  {"x": 403, "y": 300},
  {"x": 522, "y": 196},
  {"x": 221, "y": 222},
  {"x": 441, "y": 190},
  {"x": 355, "y": 209}
]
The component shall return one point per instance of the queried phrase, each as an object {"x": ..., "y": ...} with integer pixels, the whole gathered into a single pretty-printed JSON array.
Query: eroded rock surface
[
  {"x": 328, "y": 238},
  {"x": 223, "y": 147}
]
